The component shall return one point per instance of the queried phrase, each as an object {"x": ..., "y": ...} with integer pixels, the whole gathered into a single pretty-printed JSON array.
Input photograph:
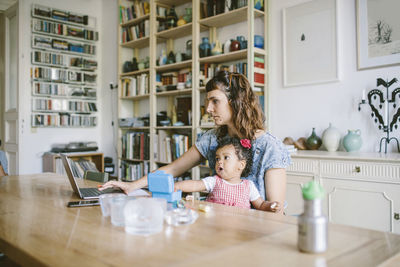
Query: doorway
[{"x": 9, "y": 87}]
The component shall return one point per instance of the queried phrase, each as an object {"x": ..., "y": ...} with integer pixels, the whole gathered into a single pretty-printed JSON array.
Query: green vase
[
  {"x": 313, "y": 142},
  {"x": 352, "y": 141}
]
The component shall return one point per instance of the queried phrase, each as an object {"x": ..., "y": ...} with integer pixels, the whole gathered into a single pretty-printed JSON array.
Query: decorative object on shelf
[
  {"x": 172, "y": 18},
  {"x": 210, "y": 8},
  {"x": 171, "y": 57},
  {"x": 178, "y": 57},
  {"x": 134, "y": 64},
  {"x": 181, "y": 21},
  {"x": 307, "y": 33},
  {"x": 258, "y": 41},
  {"x": 259, "y": 4},
  {"x": 376, "y": 44},
  {"x": 163, "y": 58},
  {"x": 313, "y": 141},
  {"x": 188, "y": 54},
  {"x": 235, "y": 45},
  {"x": 127, "y": 67},
  {"x": 219, "y": 7},
  {"x": 188, "y": 14},
  {"x": 242, "y": 41},
  {"x": 227, "y": 46},
  {"x": 188, "y": 83},
  {"x": 147, "y": 62},
  {"x": 331, "y": 138},
  {"x": 141, "y": 64},
  {"x": 352, "y": 141},
  {"x": 217, "y": 49},
  {"x": 380, "y": 104},
  {"x": 205, "y": 48}
]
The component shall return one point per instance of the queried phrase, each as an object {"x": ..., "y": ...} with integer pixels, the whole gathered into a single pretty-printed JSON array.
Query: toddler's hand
[{"x": 274, "y": 206}]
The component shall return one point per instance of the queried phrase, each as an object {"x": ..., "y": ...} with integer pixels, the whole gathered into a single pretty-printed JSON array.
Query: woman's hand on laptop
[{"x": 116, "y": 184}]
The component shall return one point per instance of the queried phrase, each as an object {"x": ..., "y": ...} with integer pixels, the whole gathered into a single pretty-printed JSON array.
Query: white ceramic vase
[{"x": 331, "y": 138}]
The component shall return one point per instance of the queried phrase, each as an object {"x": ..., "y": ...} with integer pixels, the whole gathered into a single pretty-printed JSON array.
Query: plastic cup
[
  {"x": 144, "y": 216},
  {"x": 105, "y": 202},
  {"x": 117, "y": 210}
]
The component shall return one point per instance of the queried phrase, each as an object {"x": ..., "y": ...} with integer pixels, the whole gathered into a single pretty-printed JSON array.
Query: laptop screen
[{"x": 71, "y": 177}]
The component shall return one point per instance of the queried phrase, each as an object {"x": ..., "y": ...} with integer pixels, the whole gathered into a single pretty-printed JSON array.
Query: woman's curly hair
[
  {"x": 247, "y": 114},
  {"x": 242, "y": 152}
]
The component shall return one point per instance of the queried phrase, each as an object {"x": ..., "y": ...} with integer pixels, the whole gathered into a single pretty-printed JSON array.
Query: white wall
[
  {"x": 295, "y": 110},
  {"x": 35, "y": 141}
]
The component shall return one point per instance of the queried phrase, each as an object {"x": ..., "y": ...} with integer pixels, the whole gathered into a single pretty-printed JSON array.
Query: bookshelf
[
  {"x": 52, "y": 161},
  {"x": 164, "y": 100},
  {"x": 63, "y": 68}
]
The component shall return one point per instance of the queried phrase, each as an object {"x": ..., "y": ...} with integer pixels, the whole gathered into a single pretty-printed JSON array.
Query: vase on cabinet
[
  {"x": 227, "y": 46},
  {"x": 188, "y": 15},
  {"x": 352, "y": 141},
  {"x": 313, "y": 142},
  {"x": 205, "y": 48},
  {"x": 331, "y": 138},
  {"x": 163, "y": 58}
]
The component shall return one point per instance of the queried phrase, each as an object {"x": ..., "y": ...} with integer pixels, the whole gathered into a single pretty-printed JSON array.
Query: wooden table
[{"x": 36, "y": 229}]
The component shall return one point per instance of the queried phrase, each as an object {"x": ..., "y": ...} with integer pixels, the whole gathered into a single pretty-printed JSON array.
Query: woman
[{"x": 237, "y": 113}]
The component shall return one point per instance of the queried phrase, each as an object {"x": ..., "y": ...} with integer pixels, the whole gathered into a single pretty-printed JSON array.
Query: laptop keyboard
[
  {"x": 94, "y": 192},
  {"x": 90, "y": 192}
]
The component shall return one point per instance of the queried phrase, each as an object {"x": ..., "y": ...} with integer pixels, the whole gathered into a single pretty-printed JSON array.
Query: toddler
[{"x": 233, "y": 160}]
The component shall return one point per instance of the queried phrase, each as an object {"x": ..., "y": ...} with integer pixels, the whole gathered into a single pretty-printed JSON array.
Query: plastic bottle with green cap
[{"x": 313, "y": 225}]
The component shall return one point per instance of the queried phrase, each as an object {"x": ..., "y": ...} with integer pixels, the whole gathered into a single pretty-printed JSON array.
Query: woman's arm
[
  {"x": 190, "y": 186},
  {"x": 275, "y": 185},
  {"x": 188, "y": 160}
]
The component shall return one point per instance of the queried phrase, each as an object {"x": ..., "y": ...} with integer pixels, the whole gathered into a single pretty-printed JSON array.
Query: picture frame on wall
[
  {"x": 378, "y": 33},
  {"x": 310, "y": 43}
]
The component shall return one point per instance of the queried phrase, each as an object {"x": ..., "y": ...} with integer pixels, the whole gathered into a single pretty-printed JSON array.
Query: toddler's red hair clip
[{"x": 245, "y": 143}]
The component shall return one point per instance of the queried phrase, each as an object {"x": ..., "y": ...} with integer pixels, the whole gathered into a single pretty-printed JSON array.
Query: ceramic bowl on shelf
[{"x": 165, "y": 123}]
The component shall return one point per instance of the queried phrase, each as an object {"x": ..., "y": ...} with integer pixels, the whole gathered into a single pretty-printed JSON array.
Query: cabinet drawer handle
[
  {"x": 357, "y": 169},
  {"x": 397, "y": 216}
]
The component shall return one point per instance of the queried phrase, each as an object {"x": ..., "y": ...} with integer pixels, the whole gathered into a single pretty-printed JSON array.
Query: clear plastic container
[{"x": 144, "y": 216}]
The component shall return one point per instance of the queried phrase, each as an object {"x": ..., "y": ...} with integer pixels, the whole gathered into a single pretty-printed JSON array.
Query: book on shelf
[
  {"x": 133, "y": 171},
  {"x": 135, "y": 145}
]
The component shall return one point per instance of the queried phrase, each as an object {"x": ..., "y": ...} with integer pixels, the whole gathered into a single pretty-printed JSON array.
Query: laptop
[{"x": 84, "y": 193}]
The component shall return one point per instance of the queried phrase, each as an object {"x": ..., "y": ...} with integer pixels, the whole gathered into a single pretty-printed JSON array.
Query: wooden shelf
[
  {"x": 137, "y": 97},
  {"x": 259, "y": 84},
  {"x": 175, "y": 92},
  {"x": 135, "y": 21},
  {"x": 173, "y": 2},
  {"x": 52, "y": 161},
  {"x": 173, "y": 127},
  {"x": 176, "y": 32},
  {"x": 132, "y": 73},
  {"x": 144, "y": 128},
  {"x": 231, "y": 56},
  {"x": 175, "y": 66},
  {"x": 139, "y": 43},
  {"x": 259, "y": 52},
  {"x": 229, "y": 18}
]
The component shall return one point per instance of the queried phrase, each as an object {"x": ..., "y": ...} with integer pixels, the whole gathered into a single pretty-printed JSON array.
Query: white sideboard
[{"x": 362, "y": 189}]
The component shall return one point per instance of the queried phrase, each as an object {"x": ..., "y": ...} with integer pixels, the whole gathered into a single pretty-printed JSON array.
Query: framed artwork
[
  {"x": 310, "y": 43},
  {"x": 378, "y": 33}
]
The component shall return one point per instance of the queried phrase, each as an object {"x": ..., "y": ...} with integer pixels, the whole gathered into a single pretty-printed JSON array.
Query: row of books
[
  {"x": 49, "y": 58},
  {"x": 135, "y": 32},
  {"x": 63, "y": 120},
  {"x": 56, "y": 89},
  {"x": 133, "y": 171},
  {"x": 80, "y": 166},
  {"x": 62, "y": 75},
  {"x": 63, "y": 29},
  {"x": 60, "y": 15},
  {"x": 63, "y": 105},
  {"x": 135, "y": 145},
  {"x": 170, "y": 147},
  {"x": 136, "y": 85},
  {"x": 138, "y": 9},
  {"x": 62, "y": 45}
]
